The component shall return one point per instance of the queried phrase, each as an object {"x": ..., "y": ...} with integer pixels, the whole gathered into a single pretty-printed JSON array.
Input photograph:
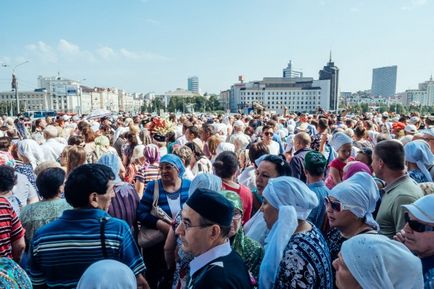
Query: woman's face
[
  {"x": 344, "y": 151},
  {"x": 270, "y": 213},
  {"x": 341, "y": 220},
  {"x": 264, "y": 173},
  {"x": 168, "y": 172},
  {"x": 344, "y": 278},
  {"x": 236, "y": 223}
]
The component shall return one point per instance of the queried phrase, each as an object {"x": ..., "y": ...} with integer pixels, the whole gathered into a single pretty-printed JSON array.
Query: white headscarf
[
  {"x": 419, "y": 152},
  {"x": 361, "y": 192},
  {"x": 339, "y": 139},
  {"x": 225, "y": 146},
  {"x": 32, "y": 151},
  {"x": 108, "y": 274},
  {"x": 206, "y": 181},
  {"x": 377, "y": 262},
  {"x": 295, "y": 201}
]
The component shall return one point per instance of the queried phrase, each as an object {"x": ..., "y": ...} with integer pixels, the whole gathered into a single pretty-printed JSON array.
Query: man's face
[
  {"x": 376, "y": 166},
  {"x": 194, "y": 235},
  {"x": 267, "y": 134},
  {"x": 188, "y": 135},
  {"x": 104, "y": 201}
]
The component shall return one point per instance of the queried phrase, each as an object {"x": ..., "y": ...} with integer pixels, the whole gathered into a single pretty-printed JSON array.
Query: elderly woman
[
  {"x": 50, "y": 185},
  {"x": 173, "y": 192},
  {"x": 268, "y": 167},
  {"x": 149, "y": 171},
  {"x": 126, "y": 200},
  {"x": 30, "y": 155},
  {"x": 349, "y": 210},
  {"x": 296, "y": 254},
  {"x": 250, "y": 251},
  {"x": 376, "y": 262},
  {"x": 418, "y": 158}
]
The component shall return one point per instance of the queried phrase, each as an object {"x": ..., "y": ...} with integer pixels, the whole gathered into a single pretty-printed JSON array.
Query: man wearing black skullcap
[{"x": 206, "y": 222}]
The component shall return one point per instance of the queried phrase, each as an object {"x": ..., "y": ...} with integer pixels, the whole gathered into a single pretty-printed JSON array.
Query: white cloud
[
  {"x": 42, "y": 50},
  {"x": 106, "y": 52},
  {"x": 68, "y": 47},
  {"x": 142, "y": 55},
  {"x": 412, "y": 4}
]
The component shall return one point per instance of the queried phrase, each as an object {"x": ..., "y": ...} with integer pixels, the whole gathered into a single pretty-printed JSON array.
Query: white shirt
[
  {"x": 23, "y": 190},
  {"x": 200, "y": 261},
  {"x": 274, "y": 148},
  {"x": 52, "y": 149}
]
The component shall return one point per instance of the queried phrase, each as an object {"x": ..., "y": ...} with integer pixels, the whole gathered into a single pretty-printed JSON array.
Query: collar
[
  {"x": 395, "y": 183},
  {"x": 81, "y": 214},
  {"x": 302, "y": 150},
  {"x": 316, "y": 184},
  {"x": 202, "y": 260}
]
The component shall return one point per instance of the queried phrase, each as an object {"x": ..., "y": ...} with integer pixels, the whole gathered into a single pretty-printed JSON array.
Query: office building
[
  {"x": 384, "y": 81},
  {"x": 193, "y": 84},
  {"x": 331, "y": 72}
]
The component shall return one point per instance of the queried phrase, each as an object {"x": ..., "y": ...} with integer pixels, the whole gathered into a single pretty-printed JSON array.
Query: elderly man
[
  {"x": 62, "y": 250},
  {"x": 388, "y": 165},
  {"x": 52, "y": 148},
  {"x": 418, "y": 234},
  {"x": 204, "y": 229},
  {"x": 301, "y": 147}
]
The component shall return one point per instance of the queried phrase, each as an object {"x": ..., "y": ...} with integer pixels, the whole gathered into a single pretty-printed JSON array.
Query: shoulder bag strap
[
  {"x": 156, "y": 194},
  {"x": 103, "y": 221}
]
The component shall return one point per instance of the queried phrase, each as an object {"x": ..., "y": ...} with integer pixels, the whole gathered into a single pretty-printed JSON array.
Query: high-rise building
[
  {"x": 289, "y": 73},
  {"x": 193, "y": 84},
  {"x": 331, "y": 72},
  {"x": 384, "y": 81}
]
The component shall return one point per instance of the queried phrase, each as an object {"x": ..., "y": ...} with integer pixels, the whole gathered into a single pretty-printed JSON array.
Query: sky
[{"x": 155, "y": 45}]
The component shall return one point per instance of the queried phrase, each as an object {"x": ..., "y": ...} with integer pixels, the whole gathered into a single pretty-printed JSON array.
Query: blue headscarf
[
  {"x": 175, "y": 161},
  {"x": 112, "y": 161}
]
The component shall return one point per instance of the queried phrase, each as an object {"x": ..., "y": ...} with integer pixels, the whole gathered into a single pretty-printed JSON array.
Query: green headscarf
[{"x": 234, "y": 198}]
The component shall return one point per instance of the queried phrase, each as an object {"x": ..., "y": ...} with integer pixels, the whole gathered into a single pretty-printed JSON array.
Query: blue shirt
[
  {"x": 62, "y": 250},
  {"x": 317, "y": 214}
]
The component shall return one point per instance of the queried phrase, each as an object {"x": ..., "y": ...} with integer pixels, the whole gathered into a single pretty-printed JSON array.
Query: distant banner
[{"x": 71, "y": 90}]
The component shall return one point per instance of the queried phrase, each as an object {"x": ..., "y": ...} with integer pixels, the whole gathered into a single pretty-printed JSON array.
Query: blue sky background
[{"x": 154, "y": 45}]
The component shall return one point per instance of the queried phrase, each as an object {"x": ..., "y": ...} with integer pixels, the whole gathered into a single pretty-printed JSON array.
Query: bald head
[{"x": 301, "y": 140}]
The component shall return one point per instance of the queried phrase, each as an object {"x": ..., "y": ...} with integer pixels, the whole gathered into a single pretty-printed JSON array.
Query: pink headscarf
[{"x": 354, "y": 167}]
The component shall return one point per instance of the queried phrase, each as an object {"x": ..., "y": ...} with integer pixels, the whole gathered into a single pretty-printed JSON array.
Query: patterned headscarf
[
  {"x": 419, "y": 152},
  {"x": 112, "y": 161},
  {"x": 151, "y": 153},
  {"x": 102, "y": 144}
]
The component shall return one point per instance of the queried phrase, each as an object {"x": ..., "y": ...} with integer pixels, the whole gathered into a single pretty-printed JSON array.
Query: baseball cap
[
  {"x": 410, "y": 128},
  {"x": 414, "y": 120},
  {"x": 422, "y": 209}
]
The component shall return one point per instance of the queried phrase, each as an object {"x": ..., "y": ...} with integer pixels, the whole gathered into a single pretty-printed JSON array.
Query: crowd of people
[{"x": 218, "y": 201}]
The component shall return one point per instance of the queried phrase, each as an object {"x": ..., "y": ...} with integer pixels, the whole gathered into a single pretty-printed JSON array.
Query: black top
[{"x": 227, "y": 272}]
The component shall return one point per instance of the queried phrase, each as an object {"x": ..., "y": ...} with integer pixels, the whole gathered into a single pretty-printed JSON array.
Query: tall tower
[
  {"x": 289, "y": 73},
  {"x": 331, "y": 72},
  {"x": 193, "y": 84},
  {"x": 384, "y": 81}
]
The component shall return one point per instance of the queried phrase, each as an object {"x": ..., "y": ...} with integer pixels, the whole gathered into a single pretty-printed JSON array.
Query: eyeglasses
[
  {"x": 338, "y": 206},
  {"x": 268, "y": 133},
  {"x": 237, "y": 215},
  {"x": 416, "y": 225},
  {"x": 188, "y": 226}
]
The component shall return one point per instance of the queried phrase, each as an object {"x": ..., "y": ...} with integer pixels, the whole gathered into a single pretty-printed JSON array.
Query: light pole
[{"x": 15, "y": 85}]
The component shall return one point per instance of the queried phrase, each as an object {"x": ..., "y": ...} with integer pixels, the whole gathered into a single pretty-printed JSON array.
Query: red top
[
  {"x": 246, "y": 198},
  {"x": 11, "y": 228}
]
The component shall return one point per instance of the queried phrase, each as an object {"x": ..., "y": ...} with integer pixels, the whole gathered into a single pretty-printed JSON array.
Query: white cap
[
  {"x": 66, "y": 117},
  {"x": 414, "y": 120},
  {"x": 385, "y": 114},
  {"x": 422, "y": 209},
  {"x": 410, "y": 128}
]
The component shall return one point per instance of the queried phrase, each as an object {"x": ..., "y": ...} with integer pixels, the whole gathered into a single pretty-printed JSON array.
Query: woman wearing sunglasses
[
  {"x": 349, "y": 210},
  {"x": 418, "y": 234}
]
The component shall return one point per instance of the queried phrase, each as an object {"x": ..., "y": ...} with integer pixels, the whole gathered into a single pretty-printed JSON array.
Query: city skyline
[{"x": 155, "y": 45}]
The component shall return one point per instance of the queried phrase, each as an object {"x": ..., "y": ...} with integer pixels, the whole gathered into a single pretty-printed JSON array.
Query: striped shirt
[
  {"x": 124, "y": 204},
  {"x": 145, "y": 205},
  {"x": 62, "y": 250},
  {"x": 11, "y": 229}
]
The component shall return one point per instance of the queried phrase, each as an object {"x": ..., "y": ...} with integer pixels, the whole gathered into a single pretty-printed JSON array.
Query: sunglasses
[
  {"x": 416, "y": 225},
  {"x": 268, "y": 133},
  {"x": 337, "y": 206}
]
